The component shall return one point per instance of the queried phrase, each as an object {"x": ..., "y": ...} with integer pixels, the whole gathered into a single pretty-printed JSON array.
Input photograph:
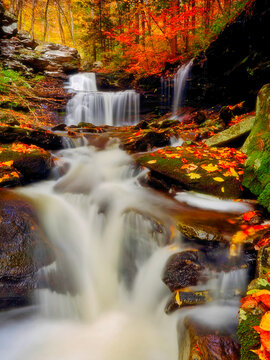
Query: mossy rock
[
  {"x": 257, "y": 147},
  {"x": 248, "y": 337},
  {"x": 207, "y": 170},
  {"x": 21, "y": 164}
]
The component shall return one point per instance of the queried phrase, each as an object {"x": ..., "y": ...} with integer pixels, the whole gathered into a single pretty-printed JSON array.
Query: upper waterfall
[
  {"x": 98, "y": 107},
  {"x": 180, "y": 80}
]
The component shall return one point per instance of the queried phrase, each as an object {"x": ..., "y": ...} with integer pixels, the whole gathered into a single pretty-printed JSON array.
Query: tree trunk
[{"x": 46, "y": 20}]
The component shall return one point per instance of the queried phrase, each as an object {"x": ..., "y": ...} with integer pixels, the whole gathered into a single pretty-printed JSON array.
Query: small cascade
[
  {"x": 166, "y": 94},
  {"x": 98, "y": 107},
  {"x": 180, "y": 80}
]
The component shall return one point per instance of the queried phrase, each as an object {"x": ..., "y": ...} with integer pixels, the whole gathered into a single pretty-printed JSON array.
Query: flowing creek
[{"x": 103, "y": 298}]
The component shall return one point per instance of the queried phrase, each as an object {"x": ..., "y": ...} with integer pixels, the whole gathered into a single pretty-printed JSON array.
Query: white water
[
  {"x": 98, "y": 107},
  {"x": 111, "y": 239},
  {"x": 180, "y": 80},
  {"x": 110, "y": 253}
]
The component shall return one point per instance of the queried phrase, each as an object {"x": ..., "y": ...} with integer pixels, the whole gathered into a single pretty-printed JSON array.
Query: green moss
[
  {"x": 248, "y": 337},
  {"x": 8, "y": 77}
]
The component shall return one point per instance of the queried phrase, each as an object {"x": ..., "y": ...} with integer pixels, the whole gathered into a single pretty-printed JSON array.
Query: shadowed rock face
[
  {"x": 23, "y": 249},
  {"x": 236, "y": 65}
]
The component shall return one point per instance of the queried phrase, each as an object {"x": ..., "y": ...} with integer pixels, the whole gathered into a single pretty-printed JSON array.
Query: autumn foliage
[{"x": 136, "y": 36}]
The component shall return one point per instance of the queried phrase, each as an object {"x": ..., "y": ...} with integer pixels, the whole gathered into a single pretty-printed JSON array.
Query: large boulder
[
  {"x": 23, "y": 249},
  {"x": 211, "y": 171},
  {"x": 257, "y": 147},
  {"x": 236, "y": 65}
]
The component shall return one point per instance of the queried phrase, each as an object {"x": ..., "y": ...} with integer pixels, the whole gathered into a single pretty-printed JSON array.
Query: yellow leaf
[
  {"x": 151, "y": 161},
  {"x": 222, "y": 189},
  {"x": 210, "y": 167},
  {"x": 194, "y": 176},
  {"x": 233, "y": 172},
  {"x": 177, "y": 298},
  {"x": 8, "y": 163},
  {"x": 219, "y": 179}
]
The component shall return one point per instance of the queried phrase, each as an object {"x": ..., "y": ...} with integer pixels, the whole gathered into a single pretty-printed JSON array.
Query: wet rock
[
  {"x": 23, "y": 249},
  {"x": 201, "y": 232},
  {"x": 257, "y": 147},
  {"x": 182, "y": 299},
  {"x": 202, "y": 343},
  {"x": 182, "y": 270},
  {"x": 233, "y": 136}
]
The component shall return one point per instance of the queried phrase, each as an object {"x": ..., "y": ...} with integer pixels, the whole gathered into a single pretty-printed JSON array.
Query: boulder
[
  {"x": 21, "y": 164},
  {"x": 38, "y": 137},
  {"x": 147, "y": 141},
  {"x": 234, "y": 136},
  {"x": 257, "y": 147},
  {"x": 23, "y": 249},
  {"x": 202, "y": 343},
  {"x": 182, "y": 270},
  {"x": 211, "y": 171}
]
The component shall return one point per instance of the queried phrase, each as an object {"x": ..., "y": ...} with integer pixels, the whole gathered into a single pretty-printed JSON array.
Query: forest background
[{"x": 136, "y": 36}]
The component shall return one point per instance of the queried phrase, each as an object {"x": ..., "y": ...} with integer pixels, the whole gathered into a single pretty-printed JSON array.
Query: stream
[{"x": 103, "y": 298}]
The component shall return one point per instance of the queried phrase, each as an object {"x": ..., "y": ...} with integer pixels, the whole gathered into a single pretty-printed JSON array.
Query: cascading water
[
  {"x": 102, "y": 298},
  {"x": 100, "y": 108},
  {"x": 180, "y": 80}
]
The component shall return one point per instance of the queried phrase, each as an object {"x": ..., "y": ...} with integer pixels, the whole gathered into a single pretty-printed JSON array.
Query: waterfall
[
  {"x": 180, "y": 80},
  {"x": 102, "y": 298},
  {"x": 98, "y": 107}
]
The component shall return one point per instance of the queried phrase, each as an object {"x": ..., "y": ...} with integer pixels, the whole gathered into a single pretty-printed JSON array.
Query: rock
[
  {"x": 60, "y": 57},
  {"x": 236, "y": 65},
  {"x": 211, "y": 171},
  {"x": 181, "y": 299},
  {"x": 202, "y": 343},
  {"x": 234, "y": 135},
  {"x": 8, "y": 23},
  {"x": 39, "y": 137},
  {"x": 148, "y": 140},
  {"x": 201, "y": 232},
  {"x": 200, "y": 117},
  {"x": 257, "y": 147},
  {"x": 23, "y": 249},
  {"x": 24, "y": 164},
  {"x": 59, "y": 127},
  {"x": 182, "y": 270}
]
